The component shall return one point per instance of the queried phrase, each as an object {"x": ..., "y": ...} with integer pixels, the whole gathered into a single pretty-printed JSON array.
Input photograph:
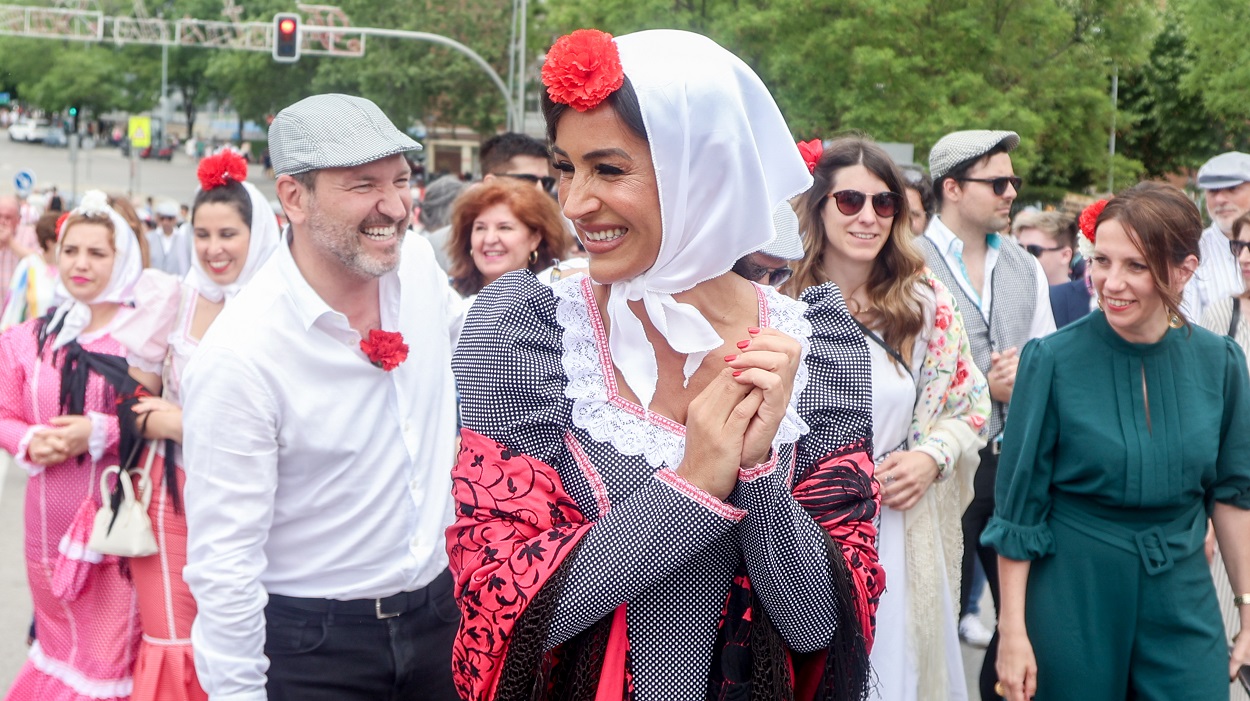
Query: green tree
[{"x": 1221, "y": 67}]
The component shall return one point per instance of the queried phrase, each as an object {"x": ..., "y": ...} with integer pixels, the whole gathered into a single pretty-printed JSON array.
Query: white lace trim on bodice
[{"x": 600, "y": 410}]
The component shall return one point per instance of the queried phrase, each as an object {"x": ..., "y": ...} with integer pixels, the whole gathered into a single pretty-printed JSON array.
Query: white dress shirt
[
  {"x": 952, "y": 249},
  {"x": 1218, "y": 275},
  {"x": 310, "y": 472}
]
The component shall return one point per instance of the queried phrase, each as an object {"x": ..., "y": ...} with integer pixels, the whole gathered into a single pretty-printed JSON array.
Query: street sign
[
  {"x": 24, "y": 182},
  {"x": 140, "y": 132}
]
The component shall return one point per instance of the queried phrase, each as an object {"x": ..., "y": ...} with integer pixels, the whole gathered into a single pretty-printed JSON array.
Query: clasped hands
[
  {"x": 732, "y": 422},
  {"x": 68, "y": 438}
]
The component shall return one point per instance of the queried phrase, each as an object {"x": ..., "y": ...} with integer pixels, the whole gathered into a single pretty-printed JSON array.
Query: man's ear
[{"x": 294, "y": 199}]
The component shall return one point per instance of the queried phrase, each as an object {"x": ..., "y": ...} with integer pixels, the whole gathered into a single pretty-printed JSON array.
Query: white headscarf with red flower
[{"x": 724, "y": 160}]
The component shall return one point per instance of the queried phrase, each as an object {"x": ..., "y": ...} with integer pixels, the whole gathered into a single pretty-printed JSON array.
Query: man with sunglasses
[
  {"x": 1226, "y": 182},
  {"x": 1004, "y": 297},
  {"x": 771, "y": 264},
  {"x": 169, "y": 244},
  {"x": 506, "y": 155}
]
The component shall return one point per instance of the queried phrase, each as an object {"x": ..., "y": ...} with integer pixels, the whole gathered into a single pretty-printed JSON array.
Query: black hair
[
  {"x": 960, "y": 171},
  {"x": 501, "y": 148},
  {"x": 624, "y": 102},
  {"x": 918, "y": 180},
  {"x": 232, "y": 193}
]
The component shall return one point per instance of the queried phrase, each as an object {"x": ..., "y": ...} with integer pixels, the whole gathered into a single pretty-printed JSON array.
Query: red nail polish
[
  {"x": 737, "y": 373},
  {"x": 730, "y": 358},
  {"x": 753, "y": 330},
  {"x": 743, "y": 344}
]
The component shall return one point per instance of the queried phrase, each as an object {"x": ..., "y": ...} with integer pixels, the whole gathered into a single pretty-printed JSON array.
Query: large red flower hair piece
[
  {"x": 812, "y": 151},
  {"x": 582, "y": 69},
  {"x": 1089, "y": 218},
  {"x": 221, "y": 168}
]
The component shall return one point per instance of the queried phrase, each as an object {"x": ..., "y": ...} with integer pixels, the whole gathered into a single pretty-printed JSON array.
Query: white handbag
[{"x": 128, "y": 531}]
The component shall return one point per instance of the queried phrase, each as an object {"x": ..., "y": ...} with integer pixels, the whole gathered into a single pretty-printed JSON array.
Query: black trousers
[
  {"x": 335, "y": 656},
  {"x": 975, "y": 519}
]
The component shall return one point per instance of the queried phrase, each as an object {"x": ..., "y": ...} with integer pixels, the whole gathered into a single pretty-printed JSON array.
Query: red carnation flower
[
  {"x": 1089, "y": 218},
  {"x": 811, "y": 150},
  {"x": 582, "y": 69},
  {"x": 385, "y": 349},
  {"x": 60, "y": 224},
  {"x": 221, "y": 168}
]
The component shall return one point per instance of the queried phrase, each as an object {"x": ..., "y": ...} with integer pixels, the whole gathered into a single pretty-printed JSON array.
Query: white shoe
[{"x": 974, "y": 632}]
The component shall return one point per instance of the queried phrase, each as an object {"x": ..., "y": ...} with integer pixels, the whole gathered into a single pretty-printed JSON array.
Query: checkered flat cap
[
  {"x": 332, "y": 131},
  {"x": 960, "y": 146}
]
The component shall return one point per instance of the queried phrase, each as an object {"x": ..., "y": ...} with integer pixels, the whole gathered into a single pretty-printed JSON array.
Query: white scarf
[
  {"x": 262, "y": 242},
  {"x": 75, "y": 315},
  {"x": 724, "y": 160}
]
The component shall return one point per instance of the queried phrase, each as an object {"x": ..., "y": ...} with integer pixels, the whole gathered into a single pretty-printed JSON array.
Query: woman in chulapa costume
[
  {"x": 61, "y": 380},
  {"x": 665, "y": 489},
  {"x": 235, "y": 231}
]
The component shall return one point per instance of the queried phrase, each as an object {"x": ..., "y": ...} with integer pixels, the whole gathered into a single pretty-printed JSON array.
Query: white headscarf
[
  {"x": 127, "y": 266},
  {"x": 724, "y": 160},
  {"x": 262, "y": 242}
]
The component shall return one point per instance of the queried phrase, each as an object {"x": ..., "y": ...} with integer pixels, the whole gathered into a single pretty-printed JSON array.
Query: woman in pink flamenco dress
[
  {"x": 235, "y": 232},
  {"x": 85, "y": 609}
]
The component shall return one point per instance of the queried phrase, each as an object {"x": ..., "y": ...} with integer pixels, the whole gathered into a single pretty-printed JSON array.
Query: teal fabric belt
[{"x": 1158, "y": 545}]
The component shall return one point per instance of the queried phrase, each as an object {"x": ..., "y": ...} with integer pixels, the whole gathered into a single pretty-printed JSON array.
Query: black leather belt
[{"x": 386, "y": 607}]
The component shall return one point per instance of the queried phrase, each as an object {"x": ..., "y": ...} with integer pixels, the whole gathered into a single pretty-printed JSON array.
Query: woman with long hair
[
  {"x": 1128, "y": 430},
  {"x": 62, "y": 377},
  {"x": 235, "y": 231},
  {"x": 500, "y": 226},
  {"x": 930, "y": 405}
]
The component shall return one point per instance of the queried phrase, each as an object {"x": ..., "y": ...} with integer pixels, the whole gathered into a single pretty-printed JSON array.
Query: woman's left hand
[
  {"x": 769, "y": 360},
  {"x": 75, "y": 430},
  {"x": 1239, "y": 657},
  {"x": 905, "y": 475}
]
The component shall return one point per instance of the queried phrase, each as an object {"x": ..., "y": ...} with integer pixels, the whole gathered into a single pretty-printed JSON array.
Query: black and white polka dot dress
[{"x": 534, "y": 374}]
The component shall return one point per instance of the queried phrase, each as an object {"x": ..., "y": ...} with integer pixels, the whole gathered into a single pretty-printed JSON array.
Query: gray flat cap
[
  {"x": 332, "y": 131},
  {"x": 1225, "y": 170},
  {"x": 787, "y": 245},
  {"x": 960, "y": 146}
]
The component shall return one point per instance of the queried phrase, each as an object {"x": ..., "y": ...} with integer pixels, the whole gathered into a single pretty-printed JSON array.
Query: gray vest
[{"x": 1013, "y": 286}]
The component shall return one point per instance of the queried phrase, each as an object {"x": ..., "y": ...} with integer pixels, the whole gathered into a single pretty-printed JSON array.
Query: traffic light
[
  {"x": 73, "y": 115},
  {"x": 286, "y": 37}
]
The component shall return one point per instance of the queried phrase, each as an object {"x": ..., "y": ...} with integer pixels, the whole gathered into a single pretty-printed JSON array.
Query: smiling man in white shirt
[{"x": 318, "y": 466}]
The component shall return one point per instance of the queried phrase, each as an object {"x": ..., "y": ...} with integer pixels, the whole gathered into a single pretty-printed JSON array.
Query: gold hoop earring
[
  {"x": 1100, "y": 307},
  {"x": 533, "y": 256},
  {"x": 1174, "y": 321}
]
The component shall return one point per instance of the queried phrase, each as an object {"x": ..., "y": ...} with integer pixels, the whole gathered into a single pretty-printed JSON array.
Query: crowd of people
[{"x": 729, "y": 416}]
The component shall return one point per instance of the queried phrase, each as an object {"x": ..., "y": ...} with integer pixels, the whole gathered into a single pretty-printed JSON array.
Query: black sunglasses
[
  {"x": 999, "y": 184},
  {"x": 851, "y": 202},
  {"x": 547, "y": 181},
  {"x": 1037, "y": 250},
  {"x": 775, "y": 277},
  {"x": 1238, "y": 246}
]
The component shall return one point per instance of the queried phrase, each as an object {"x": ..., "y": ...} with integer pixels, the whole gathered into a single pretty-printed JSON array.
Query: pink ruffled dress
[
  {"x": 86, "y": 614},
  {"x": 158, "y": 339}
]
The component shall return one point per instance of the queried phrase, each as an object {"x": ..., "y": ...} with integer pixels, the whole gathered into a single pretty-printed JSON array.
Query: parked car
[
  {"x": 30, "y": 130},
  {"x": 56, "y": 138},
  {"x": 164, "y": 153}
]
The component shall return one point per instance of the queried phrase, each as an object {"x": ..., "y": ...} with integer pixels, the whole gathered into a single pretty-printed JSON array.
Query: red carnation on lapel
[
  {"x": 385, "y": 349},
  {"x": 582, "y": 69}
]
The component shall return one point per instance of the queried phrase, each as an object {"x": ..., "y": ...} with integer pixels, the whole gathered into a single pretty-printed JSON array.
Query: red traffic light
[{"x": 286, "y": 39}]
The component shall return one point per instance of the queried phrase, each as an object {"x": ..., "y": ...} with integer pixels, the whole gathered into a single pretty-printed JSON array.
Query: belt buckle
[
  {"x": 1154, "y": 536},
  {"x": 377, "y": 608}
]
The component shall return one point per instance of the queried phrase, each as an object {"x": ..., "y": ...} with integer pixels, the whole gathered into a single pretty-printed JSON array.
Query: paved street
[{"x": 104, "y": 168}]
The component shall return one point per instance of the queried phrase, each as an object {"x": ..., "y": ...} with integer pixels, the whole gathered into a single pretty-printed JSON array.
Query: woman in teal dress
[{"x": 1128, "y": 429}]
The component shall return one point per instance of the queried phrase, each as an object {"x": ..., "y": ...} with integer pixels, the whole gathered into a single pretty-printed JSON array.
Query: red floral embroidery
[
  {"x": 386, "y": 349},
  {"x": 1089, "y": 218},
  {"x": 812, "y": 151},
  {"x": 942, "y": 317},
  {"x": 221, "y": 168},
  {"x": 961, "y": 372},
  {"x": 582, "y": 69}
]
